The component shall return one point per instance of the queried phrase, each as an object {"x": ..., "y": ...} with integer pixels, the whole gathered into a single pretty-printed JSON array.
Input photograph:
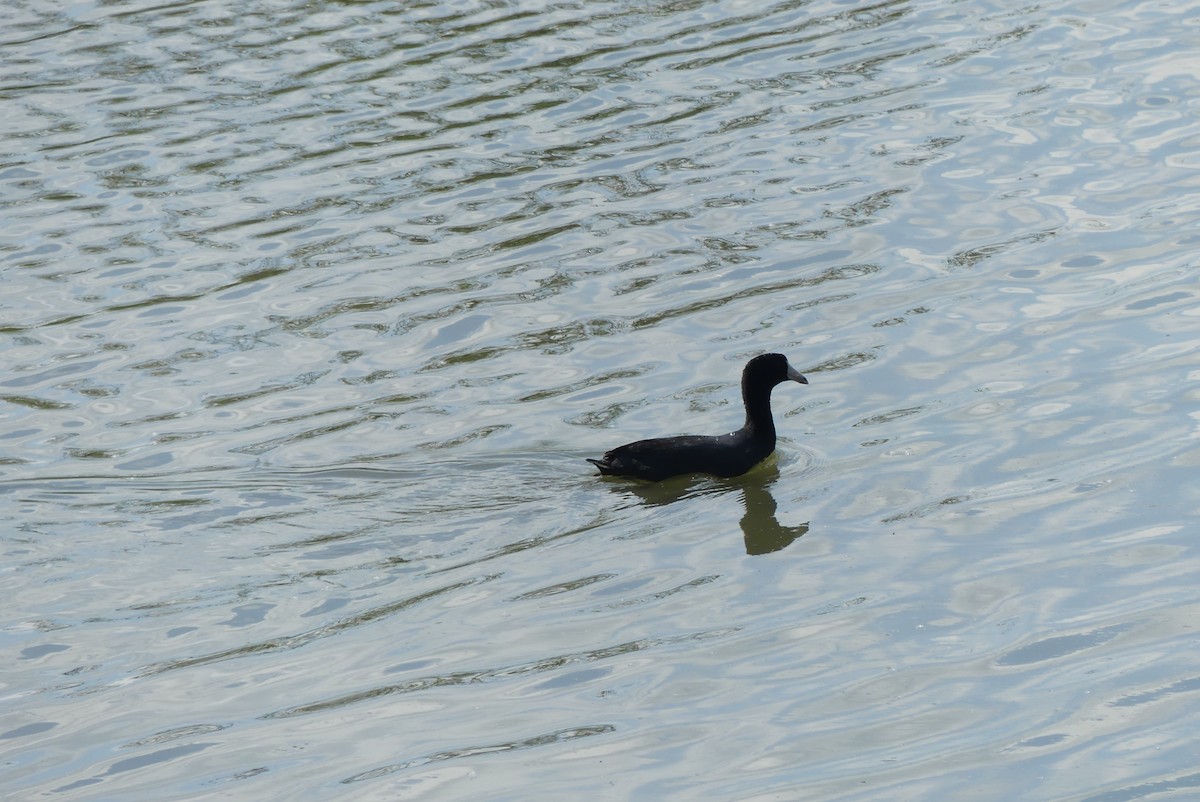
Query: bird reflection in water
[{"x": 761, "y": 529}]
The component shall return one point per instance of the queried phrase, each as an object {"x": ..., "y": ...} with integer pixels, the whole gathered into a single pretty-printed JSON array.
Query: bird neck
[{"x": 759, "y": 421}]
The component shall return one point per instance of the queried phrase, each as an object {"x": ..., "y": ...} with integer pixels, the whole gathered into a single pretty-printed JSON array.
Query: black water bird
[{"x": 723, "y": 455}]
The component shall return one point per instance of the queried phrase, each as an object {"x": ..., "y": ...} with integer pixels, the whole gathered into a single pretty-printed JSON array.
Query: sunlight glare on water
[{"x": 313, "y": 313}]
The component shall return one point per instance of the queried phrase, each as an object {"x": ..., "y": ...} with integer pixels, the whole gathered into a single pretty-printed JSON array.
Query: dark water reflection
[{"x": 761, "y": 529}]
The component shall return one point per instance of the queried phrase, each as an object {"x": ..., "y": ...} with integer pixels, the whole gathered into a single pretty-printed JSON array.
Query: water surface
[{"x": 312, "y": 313}]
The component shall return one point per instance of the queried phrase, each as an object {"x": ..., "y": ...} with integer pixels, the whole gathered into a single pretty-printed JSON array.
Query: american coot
[{"x": 723, "y": 455}]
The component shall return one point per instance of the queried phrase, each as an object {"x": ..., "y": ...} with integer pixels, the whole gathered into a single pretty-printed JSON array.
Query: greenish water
[{"x": 311, "y": 315}]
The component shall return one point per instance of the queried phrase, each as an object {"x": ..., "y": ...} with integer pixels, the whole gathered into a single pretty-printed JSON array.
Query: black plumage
[{"x": 723, "y": 455}]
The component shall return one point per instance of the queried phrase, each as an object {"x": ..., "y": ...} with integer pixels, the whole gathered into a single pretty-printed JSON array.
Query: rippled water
[{"x": 311, "y": 314}]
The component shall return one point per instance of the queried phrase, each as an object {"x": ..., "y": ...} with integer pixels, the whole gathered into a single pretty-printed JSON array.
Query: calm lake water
[{"x": 312, "y": 312}]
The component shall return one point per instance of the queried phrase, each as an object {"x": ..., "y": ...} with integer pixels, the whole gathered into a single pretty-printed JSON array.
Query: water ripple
[{"x": 312, "y": 314}]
